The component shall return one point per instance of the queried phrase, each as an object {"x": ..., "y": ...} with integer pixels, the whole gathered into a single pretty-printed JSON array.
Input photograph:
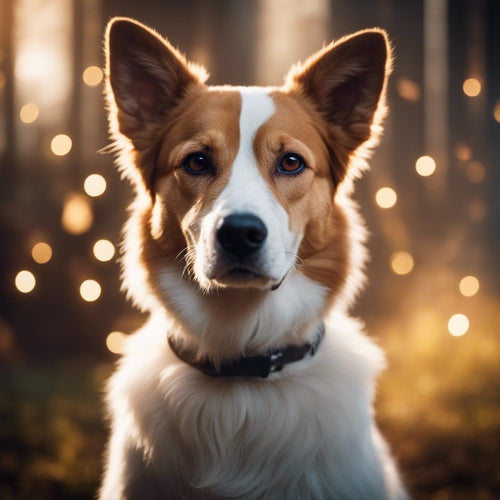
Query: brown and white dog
[{"x": 249, "y": 381}]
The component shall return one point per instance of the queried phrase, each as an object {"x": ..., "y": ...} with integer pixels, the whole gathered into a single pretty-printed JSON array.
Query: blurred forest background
[{"x": 431, "y": 201}]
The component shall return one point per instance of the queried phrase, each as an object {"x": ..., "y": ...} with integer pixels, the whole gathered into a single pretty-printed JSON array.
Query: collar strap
[{"x": 253, "y": 366}]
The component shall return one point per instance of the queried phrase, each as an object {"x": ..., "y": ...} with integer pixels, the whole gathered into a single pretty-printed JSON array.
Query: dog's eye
[
  {"x": 198, "y": 164},
  {"x": 291, "y": 163}
]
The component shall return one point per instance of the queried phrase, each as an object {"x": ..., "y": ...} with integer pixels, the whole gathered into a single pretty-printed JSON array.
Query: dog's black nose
[{"x": 241, "y": 234}]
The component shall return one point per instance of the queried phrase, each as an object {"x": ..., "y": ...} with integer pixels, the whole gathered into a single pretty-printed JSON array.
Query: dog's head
[{"x": 239, "y": 185}]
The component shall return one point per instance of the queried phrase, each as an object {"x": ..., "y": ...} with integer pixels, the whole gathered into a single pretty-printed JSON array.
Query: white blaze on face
[
  {"x": 246, "y": 189},
  {"x": 247, "y": 192}
]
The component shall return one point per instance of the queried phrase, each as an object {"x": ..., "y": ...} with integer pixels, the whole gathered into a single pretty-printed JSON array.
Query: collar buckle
[{"x": 276, "y": 362}]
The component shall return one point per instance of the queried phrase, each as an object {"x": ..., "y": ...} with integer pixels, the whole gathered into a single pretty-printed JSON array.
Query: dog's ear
[
  {"x": 146, "y": 77},
  {"x": 346, "y": 81}
]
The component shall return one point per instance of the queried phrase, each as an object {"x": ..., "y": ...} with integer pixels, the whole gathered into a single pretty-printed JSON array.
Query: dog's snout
[{"x": 241, "y": 234}]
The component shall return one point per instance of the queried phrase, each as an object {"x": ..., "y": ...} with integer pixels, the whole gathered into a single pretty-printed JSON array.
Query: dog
[{"x": 249, "y": 380}]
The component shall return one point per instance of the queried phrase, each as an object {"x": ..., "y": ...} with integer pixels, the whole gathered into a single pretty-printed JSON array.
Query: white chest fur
[{"x": 296, "y": 435}]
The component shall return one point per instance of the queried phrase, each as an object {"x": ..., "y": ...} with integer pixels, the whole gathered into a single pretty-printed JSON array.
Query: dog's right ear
[
  {"x": 146, "y": 77},
  {"x": 347, "y": 82}
]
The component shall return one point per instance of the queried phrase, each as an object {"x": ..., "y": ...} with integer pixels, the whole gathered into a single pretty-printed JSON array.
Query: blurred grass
[
  {"x": 51, "y": 433},
  {"x": 439, "y": 400},
  {"x": 438, "y": 405}
]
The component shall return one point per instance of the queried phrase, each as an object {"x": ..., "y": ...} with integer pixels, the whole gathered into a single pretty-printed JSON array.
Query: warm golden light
[
  {"x": 115, "y": 342},
  {"x": 77, "y": 217},
  {"x": 472, "y": 87},
  {"x": 92, "y": 76},
  {"x": 42, "y": 35},
  {"x": 463, "y": 152},
  {"x": 477, "y": 210},
  {"x": 475, "y": 171},
  {"x": 25, "y": 281},
  {"x": 386, "y": 197},
  {"x": 402, "y": 263},
  {"x": 41, "y": 252},
  {"x": 90, "y": 290},
  {"x": 104, "y": 250},
  {"x": 29, "y": 113},
  {"x": 61, "y": 145},
  {"x": 408, "y": 89},
  {"x": 94, "y": 185},
  {"x": 469, "y": 286},
  {"x": 496, "y": 111},
  {"x": 425, "y": 166},
  {"x": 458, "y": 325}
]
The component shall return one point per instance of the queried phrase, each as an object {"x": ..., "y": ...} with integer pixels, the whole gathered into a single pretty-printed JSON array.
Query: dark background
[{"x": 438, "y": 402}]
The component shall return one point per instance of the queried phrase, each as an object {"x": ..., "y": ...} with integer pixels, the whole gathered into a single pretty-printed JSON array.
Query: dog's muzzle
[{"x": 241, "y": 256}]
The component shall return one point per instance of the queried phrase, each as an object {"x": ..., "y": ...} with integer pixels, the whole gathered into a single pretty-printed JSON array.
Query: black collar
[{"x": 253, "y": 366}]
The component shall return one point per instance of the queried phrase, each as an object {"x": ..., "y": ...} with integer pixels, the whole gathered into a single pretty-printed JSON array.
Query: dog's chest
[
  {"x": 239, "y": 442},
  {"x": 293, "y": 436}
]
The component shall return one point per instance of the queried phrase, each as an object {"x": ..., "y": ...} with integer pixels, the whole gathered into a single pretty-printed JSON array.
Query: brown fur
[
  {"x": 307, "y": 432},
  {"x": 173, "y": 114}
]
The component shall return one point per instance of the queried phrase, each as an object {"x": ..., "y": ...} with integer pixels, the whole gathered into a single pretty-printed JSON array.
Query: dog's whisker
[
  {"x": 188, "y": 266},
  {"x": 181, "y": 254},
  {"x": 298, "y": 262}
]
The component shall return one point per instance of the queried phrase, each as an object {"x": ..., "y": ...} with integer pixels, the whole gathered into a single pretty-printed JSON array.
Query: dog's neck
[
  {"x": 232, "y": 323},
  {"x": 261, "y": 365}
]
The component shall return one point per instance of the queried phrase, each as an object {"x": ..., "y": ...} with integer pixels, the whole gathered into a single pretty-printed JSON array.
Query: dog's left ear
[
  {"x": 346, "y": 81},
  {"x": 146, "y": 78}
]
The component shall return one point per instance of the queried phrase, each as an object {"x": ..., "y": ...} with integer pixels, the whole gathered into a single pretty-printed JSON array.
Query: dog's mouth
[{"x": 240, "y": 275}]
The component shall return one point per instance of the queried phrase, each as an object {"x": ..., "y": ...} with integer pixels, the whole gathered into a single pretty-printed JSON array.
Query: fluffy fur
[{"x": 306, "y": 432}]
